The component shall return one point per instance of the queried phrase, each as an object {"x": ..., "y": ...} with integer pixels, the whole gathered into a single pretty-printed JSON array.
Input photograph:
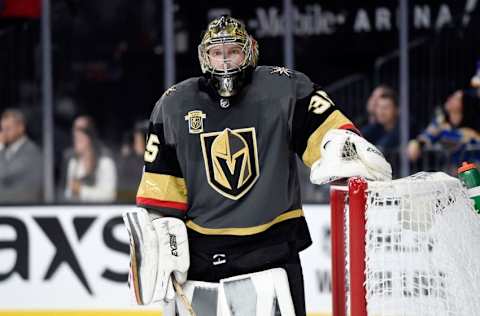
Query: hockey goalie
[{"x": 219, "y": 224}]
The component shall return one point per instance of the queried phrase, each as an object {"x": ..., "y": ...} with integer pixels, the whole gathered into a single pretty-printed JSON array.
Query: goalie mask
[{"x": 226, "y": 51}]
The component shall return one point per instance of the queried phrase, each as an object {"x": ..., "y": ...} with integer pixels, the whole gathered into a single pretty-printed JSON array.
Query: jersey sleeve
[
  {"x": 162, "y": 188},
  {"x": 314, "y": 115}
]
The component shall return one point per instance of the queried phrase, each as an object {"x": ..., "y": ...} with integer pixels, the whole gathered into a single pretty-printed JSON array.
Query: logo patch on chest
[
  {"x": 231, "y": 161},
  {"x": 195, "y": 121}
]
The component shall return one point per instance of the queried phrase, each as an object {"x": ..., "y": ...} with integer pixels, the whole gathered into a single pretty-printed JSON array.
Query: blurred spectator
[
  {"x": 372, "y": 101},
  {"x": 80, "y": 122},
  {"x": 456, "y": 128},
  {"x": 475, "y": 81},
  {"x": 387, "y": 117},
  {"x": 91, "y": 174},
  {"x": 384, "y": 130},
  {"x": 21, "y": 164},
  {"x": 131, "y": 163}
]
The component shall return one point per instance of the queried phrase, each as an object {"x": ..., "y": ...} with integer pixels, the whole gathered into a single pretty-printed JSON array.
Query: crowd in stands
[
  {"x": 452, "y": 136},
  {"x": 455, "y": 128},
  {"x": 89, "y": 171}
]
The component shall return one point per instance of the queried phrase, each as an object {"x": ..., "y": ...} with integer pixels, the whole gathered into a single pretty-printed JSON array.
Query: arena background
[{"x": 112, "y": 59}]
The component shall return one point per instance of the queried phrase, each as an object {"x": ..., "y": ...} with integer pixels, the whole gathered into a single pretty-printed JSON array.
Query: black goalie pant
[{"x": 211, "y": 266}]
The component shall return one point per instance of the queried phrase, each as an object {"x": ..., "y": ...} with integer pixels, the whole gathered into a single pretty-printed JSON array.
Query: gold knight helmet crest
[{"x": 231, "y": 161}]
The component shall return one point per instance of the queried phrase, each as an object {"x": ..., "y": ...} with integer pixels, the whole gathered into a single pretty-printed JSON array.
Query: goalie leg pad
[
  {"x": 158, "y": 252},
  {"x": 256, "y": 294},
  {"x": 202, "y": 296},
  {"x": 143, "y": 255}
]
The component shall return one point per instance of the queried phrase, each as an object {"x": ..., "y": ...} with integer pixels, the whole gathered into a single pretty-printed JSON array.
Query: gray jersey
[{"x": 232, "y": 170}]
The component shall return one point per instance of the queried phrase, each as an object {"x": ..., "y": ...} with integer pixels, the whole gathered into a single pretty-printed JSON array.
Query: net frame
[
  {"x": 351, "y": 262},
  {"x": 355, "y": 192}
]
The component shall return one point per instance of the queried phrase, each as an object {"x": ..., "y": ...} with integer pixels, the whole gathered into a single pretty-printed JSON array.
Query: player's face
[{"x": 224, "y": 57}]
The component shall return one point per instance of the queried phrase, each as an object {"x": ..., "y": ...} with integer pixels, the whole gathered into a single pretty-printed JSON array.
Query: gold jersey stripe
[
  {"x": 312, "y": 152},
  {"x": 162, "y": 187},
  {"x": 245, "y": 230}
]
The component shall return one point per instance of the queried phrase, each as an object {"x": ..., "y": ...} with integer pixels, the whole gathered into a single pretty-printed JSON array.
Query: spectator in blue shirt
[{"x": 455, "y": 128}]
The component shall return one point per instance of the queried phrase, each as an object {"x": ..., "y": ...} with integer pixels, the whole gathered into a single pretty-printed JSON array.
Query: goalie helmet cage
[{"x": 405, "y": 247}]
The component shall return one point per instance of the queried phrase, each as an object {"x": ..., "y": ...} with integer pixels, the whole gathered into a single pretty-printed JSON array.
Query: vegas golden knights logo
[
  {"x": 231, "y": 161},
  {"x": 195, "y": 121}
]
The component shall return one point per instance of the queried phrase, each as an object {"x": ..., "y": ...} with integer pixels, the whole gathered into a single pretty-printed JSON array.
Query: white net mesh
[{"x": 422, "y": 248}]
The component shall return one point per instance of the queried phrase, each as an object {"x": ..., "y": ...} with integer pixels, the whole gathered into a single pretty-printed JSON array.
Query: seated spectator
[
  {"x": 131, "y": 163},
  {"x": 454, "y": 128},
  {"x": 80, "y": 122},
  {"x": 384, "y": 131},
  {"x": 387, "y": 117},
  {"x": 370, "y": 117},
  {"x": 475, "y": 81},
  {"x": 21, "y": 164},
  {"x": 91, "y": 173}
]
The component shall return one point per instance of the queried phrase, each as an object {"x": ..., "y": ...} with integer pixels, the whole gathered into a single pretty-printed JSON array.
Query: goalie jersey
[{"x": 228, "y": 166}]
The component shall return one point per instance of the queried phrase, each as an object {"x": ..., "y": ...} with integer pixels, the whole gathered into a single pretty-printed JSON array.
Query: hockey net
[{"x": 405, "y": 247}]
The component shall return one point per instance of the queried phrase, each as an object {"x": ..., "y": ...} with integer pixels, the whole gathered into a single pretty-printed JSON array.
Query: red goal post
[{"x": 355, "y": 191}]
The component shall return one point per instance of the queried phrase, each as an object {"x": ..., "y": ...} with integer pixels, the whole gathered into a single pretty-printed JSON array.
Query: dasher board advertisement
[{"x": 65, "y": 259}]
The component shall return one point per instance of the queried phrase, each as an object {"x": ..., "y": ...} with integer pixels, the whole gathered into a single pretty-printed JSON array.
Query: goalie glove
[
  {"x": 158, "y": 253},
  {"x": 344, "y": 154}
]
